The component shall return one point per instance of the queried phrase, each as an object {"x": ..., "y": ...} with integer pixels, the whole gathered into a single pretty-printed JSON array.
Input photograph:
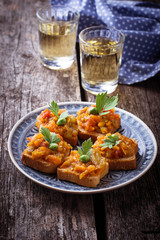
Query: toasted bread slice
[
  {"x": 94, "y": 125},
  {"x": 38, "y": 164},
  {"x": 40, "y": 157},
  {"x": 126, "y": 149},
  {"x": 72, "y": 141},
  {"x": 92, "y": 178},
  {"x": 84, "y": 135},
  {"x": 88, "y": 181},
  {"x": 125, "y": 163},
  {"x": 122, "y": 163}
]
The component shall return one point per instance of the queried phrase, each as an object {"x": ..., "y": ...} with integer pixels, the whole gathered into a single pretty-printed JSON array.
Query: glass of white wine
[
  {"x": 101, "y": 50},
  {"x": 57, "y": 27}
]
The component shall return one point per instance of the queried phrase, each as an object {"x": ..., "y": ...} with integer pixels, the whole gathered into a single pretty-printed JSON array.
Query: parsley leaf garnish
[
  {"x": 110, "y": 141},
  {"x": 51, "y": 138},
  {"x": 55, "y": 109},
  {"x": 110, "y": 104},
  {"x": 85, "y": 152},
  {"x": 103, "y": 104},
  {"x": 100, "y": 101}
]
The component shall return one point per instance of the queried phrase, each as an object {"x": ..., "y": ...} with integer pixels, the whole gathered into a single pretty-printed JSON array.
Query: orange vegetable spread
[
  {"x": 38, "y": 148},
  {"x": 95, "y": 165},
  {"x": 101, "y": 124},
  {"x": 125, "y": 148},
  {"x": 48, "y": 120}
]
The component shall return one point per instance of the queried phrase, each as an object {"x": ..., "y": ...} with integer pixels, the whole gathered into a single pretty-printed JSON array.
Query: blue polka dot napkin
[{"x": 139, "y": 21}]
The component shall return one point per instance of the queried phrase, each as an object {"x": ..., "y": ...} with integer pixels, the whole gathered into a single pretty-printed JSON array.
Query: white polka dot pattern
[{"x": 139, "y": 21}]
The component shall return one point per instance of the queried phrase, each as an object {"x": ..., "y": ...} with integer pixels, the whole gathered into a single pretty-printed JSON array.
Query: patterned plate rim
[{"x": 91, "y": 190}]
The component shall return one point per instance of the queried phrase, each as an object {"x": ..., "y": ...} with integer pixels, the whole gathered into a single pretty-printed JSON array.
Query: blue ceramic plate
[{"x": 131, "y": 126}]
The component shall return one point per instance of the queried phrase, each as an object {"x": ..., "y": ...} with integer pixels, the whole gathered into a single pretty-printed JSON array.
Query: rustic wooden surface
[
  {"x": 133, "y": 212},
  {"x": 29, "y": 211}
]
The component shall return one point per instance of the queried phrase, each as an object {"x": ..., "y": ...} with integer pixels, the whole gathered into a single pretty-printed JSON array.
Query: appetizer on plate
[
  {"x": 99, "y": 119},
  {"x": 45, "y": 151},
  {"x": 59, "y": 121},
  {"x": 118, "y": 150},
  {"x": 85, "y": 167}
]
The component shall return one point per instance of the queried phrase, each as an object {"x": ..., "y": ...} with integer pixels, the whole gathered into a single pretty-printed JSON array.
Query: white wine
[
  {"x": 57, "y": 40},
  {"x": 100, "y": 61},
  {"x": 57, "y": 26},
  {"x": 100, "y": 57}
]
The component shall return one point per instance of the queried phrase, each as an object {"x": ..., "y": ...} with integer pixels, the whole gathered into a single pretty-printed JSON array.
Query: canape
[
  {"x": 100, "y": 119},
  {"x": 118, "y": 150},
  {"x": 59, "y": 121},
  {"x": 45, "y": 152},
  {"x": 84, "y": 168}
]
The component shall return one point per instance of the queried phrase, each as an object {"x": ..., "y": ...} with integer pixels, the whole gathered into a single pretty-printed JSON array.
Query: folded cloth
[{"x": 140, "y": 23}]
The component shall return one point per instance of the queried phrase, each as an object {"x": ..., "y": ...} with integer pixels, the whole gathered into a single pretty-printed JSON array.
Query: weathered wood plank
[
  {"x": 133, "y": 212},
  {"x": 27, "y": 210}
]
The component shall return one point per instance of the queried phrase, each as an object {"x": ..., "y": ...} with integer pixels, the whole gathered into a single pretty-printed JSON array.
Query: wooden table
[{"x": 29, "y": 211}]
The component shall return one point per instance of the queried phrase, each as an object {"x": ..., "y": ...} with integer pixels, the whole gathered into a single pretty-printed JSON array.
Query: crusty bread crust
[
  {"x": 128, "y": 163},
  {"x": 38, "y": 164},
  {"x": 72, "y": 141},
  {"x": 87, "y": 181},
  {"x": 84, "y": 135},
  {"x": 122, "y": 164}
]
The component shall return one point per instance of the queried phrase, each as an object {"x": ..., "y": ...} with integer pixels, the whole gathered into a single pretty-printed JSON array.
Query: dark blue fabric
[{"x": 139, "y": 21}]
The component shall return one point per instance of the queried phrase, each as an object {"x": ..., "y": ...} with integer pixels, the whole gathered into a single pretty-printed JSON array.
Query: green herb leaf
[
  {"x": 86, "y": 145},
  {"x": 54, "y": 138},
  {"x": 110, "y": 141},
  {"x": 46, "y": 133},
  {"x": 80, "y": 151},
  {"x": 100, "y": 101},
  {"x": 110, "y": 103},
  {"x": 103, "y": 104},
  {"x": 85, "y": 152},
  {"x": 54, "y": 108},
  {"x": 51, "y": 138}
]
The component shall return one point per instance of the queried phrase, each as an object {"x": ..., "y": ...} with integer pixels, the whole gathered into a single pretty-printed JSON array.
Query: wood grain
[
  {"x": 133, "y": 211},
  {"x": 27, "y": 210}
]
